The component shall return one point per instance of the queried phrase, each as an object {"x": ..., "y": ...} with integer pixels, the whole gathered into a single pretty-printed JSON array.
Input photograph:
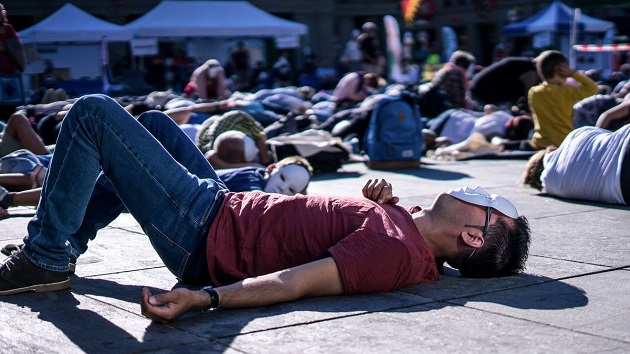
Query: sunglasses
[{"x": 485, "y": 230}]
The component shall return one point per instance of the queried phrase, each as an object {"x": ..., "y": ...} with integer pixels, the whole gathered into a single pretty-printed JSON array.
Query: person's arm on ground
[
  {"x": 16, "y": 181},
  {"x": 13, "y": 199},
  {"x": 619, "y": 111},
  {"x": 380, "y": 191},
  {"x": 180, "y": 115},
  {"x": 212, "y": 107},
  {"x": 318, "y": 278}
]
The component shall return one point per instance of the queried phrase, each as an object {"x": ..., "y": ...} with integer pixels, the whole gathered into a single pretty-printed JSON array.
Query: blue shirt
[{"x": 243, "y": 179}]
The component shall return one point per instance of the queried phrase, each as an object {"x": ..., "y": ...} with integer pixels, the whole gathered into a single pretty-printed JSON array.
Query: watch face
[{"x": 481, "y": 197}]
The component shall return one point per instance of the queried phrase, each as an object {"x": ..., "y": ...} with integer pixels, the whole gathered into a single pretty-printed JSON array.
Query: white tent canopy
[
  {"x": 71, "y": 24},
  {"x": 185, "y": 19}
]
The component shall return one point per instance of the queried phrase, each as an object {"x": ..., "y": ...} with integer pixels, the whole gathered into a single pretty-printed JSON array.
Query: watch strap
[{"x": 214, "y": 297}]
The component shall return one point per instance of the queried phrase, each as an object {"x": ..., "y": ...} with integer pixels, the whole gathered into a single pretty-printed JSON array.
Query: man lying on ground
[
  {"x": 255, "y": 248},
  {"x": 591, "y": 164}
]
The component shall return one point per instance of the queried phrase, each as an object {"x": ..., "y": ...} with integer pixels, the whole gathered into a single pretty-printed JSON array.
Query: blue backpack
[{"x": 395, "y": 130}]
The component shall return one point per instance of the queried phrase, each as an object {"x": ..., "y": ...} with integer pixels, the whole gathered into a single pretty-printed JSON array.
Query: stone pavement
[{"x": 573, "y": 297}]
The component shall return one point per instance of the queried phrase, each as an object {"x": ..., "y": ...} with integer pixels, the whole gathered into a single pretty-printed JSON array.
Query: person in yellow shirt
[{"x": 551, "y": 102}]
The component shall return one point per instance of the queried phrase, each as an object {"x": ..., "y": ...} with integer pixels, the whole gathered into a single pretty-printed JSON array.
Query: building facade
[{"x": 477, "y": 23}]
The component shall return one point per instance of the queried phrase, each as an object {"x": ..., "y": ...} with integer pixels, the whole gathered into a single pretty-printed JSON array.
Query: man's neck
[{"x": 429, "y": 232}]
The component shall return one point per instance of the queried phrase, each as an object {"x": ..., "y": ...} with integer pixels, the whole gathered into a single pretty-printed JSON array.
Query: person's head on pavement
[
  {"x": 495, "y": 244},
  {"x": 234, "y": 146},
  {"x": 288, "y": 176}
]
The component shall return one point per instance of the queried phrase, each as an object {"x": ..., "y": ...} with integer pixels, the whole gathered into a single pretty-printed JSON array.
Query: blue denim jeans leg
[
  {"x": 173, "y": 206},
  {"x": 105, "y": 204}
]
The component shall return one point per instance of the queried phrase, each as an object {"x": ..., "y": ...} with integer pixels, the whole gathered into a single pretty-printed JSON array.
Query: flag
[{"x": 409, "y": 9}]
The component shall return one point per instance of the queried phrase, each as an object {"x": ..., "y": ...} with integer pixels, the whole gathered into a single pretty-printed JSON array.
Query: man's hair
[
  {"x": 503, "y": 253},
  {"x": 518, "y": 128},
  {"x": 373, "y": 80},
  {"x": 547, "y": 61},
  {"x": 296, "y": 160},
  {"x": 534, "y": 169},
  {"x": 462, "y": 59}
]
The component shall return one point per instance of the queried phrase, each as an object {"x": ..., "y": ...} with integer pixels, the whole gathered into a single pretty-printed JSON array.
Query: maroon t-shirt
[
  {"x": 6, "y": 64},
  {"x": 376, "y": 247}
]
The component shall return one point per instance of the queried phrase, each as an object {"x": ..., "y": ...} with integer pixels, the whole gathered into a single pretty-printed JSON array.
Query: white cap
[{"x": 251, "y": 150}]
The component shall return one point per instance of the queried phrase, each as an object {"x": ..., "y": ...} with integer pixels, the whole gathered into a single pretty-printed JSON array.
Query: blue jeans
[{"x": 167, "y": 185}]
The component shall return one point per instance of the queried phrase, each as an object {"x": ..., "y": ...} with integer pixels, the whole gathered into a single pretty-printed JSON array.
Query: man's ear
[{"x": 473, "y": 238}]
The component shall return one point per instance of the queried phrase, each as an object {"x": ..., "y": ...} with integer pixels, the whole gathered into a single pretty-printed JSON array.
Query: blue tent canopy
[{"x": 557, "y": 17}]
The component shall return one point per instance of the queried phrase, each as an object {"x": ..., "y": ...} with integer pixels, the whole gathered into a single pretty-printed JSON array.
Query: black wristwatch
[{"x": 214, "y": 297}]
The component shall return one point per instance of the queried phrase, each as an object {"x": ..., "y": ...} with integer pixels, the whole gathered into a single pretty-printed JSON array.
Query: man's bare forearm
[{"x": 319, "y": 278}]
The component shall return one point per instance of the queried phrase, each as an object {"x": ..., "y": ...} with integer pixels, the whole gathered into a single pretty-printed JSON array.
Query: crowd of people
[{"x": 197, "y": 170}]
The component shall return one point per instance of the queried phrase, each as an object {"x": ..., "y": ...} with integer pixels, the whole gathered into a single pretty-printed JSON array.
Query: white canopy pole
[{"x": 574, "y": 34}]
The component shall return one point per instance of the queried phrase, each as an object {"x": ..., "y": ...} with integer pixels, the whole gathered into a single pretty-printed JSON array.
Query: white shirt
[
  {"x": 587, "y": 165},
  {"x": 461, "y": 124},
  {"x": 492, "y": 124}
]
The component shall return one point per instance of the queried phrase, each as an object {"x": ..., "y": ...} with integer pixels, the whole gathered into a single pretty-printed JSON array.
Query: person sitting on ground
[
  {"x": 288, "y": 176},
  {"x": 591, "y": 164},
  {"x": 239, "y": 121},
  {"x": 354, "y": 87},
  {"x": 272, "y": 249},
  {"x": 207, "y": 82},
  {"x": 551, "y": 103},
  {"x": 452, "y": 78}
]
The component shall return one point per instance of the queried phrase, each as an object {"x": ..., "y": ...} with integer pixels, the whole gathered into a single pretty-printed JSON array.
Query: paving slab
[
  {"x": 435, "y": 328},
  {"x": 598, "y": 236},
  {"x": 67, "y": 322},
  {"x": 586, "y": 304}
]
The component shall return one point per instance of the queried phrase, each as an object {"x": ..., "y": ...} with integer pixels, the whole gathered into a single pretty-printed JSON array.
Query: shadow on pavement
[
  {"x": 63, "y": 309},
  {"x": 585, "y": 202}
]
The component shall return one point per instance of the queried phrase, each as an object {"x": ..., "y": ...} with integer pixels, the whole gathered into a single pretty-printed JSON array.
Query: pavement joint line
[
  {"x": 571, "y": 261},
  {"x": 120, "y": 272},
  {"x": 570, "y": 213},
  {"x": 612, "y": 269}
]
